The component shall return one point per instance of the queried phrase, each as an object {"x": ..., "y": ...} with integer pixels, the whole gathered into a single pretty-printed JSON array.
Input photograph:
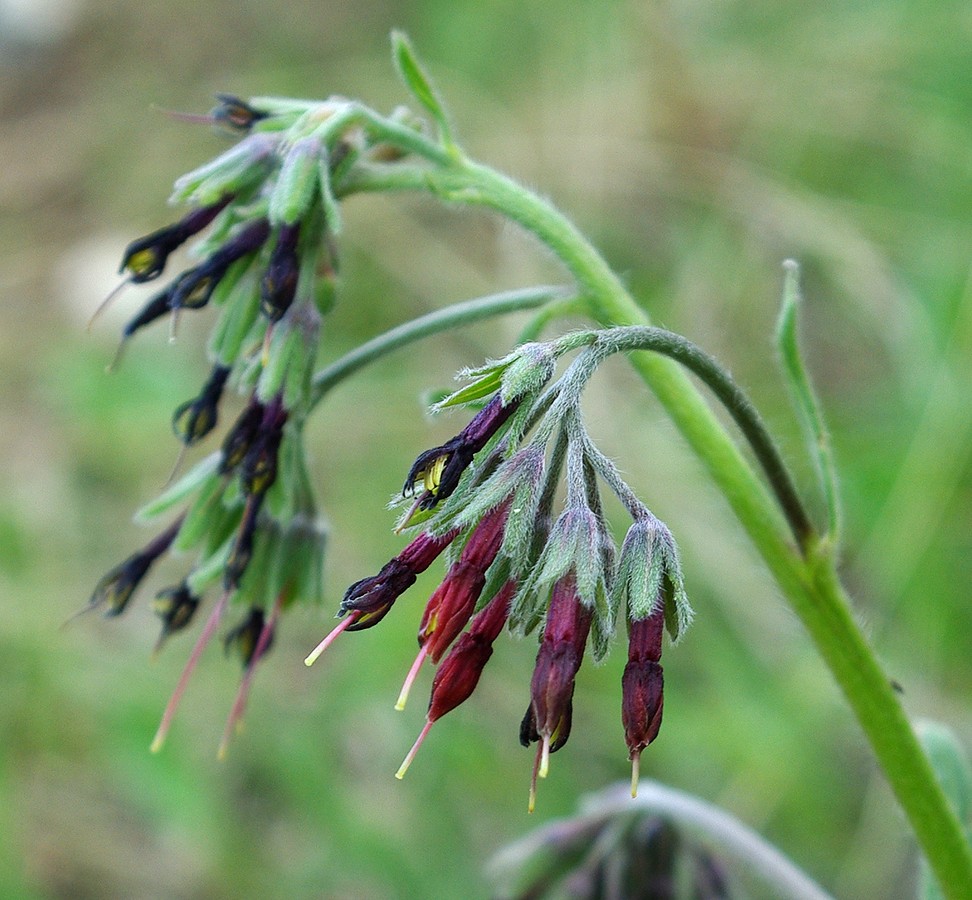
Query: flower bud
[
  {"x": 244, "y": 638},
  {"x": 176, "y": 606},
  {"x": 279, "y": 284},
  {"x": 642, "y": 683}
]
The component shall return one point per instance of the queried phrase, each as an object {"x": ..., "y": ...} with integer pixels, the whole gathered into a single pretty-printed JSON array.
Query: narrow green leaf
[
  {"x": 419, "y": 84},
  {"x": 805, "y": 398}
]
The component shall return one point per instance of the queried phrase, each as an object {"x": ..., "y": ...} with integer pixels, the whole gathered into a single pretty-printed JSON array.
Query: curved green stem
[
  {"x": 434, "y": 322},
  {"x": 810, "y": 584},
  {"x": 733, "y": 398}
]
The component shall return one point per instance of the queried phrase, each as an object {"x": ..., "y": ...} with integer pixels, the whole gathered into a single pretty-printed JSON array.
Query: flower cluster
[
  {"x": 487, "y": 499},
  {"x": 264, "y": 217}
]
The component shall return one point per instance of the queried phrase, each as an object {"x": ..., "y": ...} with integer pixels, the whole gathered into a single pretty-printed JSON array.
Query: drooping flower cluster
[
  {"x": 487, "y": 498},
  {"x": 264, "y": 214}
]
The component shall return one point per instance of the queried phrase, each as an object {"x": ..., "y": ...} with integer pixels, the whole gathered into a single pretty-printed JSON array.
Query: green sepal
[
  {"x": 419, "y": 84},
  {"x": 254, "y": 588},
  {"x": 497, "y": 575},
  {"x": 285, "y": 343},
  {"x": 192, "y": 481},
  {"x": 204, "y": 514},
  {"x": 236, "y": 320},
  {"x": 210, "y": 570},
  {"x": 295, "y": 574},
  {"x": 282, "y": 499},
  {"x": 297, "y": 183},
  {"x": 484, "y": 386},
  {"x": 239, "y": 168},
  {"x": 332, "y": 209}
]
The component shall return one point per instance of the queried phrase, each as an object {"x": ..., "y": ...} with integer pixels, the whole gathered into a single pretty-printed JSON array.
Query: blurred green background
[{"x": 698, "y": 144}]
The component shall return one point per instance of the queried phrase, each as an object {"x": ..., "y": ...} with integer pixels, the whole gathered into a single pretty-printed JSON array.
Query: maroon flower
[
  {"x": 559, "y": 659},
  {"x": 642, "y": 687},
  {"x": 451, "y": 605},
  {"x": 457, "y": 677}
]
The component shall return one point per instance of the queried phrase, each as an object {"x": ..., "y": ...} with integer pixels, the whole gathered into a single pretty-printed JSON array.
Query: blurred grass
[{"x": 698, "y": 145}]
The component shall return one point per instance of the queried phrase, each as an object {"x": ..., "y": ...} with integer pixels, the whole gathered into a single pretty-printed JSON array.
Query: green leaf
[
  {"x": 805, "y": 398},
  {"x": 419, "y": 84}
]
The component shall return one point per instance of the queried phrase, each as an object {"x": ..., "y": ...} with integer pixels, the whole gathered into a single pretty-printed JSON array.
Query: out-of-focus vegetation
[{"x": 698, "y": 145}]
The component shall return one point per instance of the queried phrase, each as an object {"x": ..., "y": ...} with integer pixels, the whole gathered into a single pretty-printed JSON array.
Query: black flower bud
[
  {"x": 145, "y": 258},
  {"x": 236, "y": 114},
  {"x": 197, "y": 417},
  {"x": 175, "y": 606}
]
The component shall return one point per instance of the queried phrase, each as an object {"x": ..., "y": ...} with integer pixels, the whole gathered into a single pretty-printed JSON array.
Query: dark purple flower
[
  {"x": 193, "y": 288},
  {"x": 117, "y": 587},
  {"x": 372, "y": 597},
  {"x": 198, "y": 417},
  {"x": 279, "y": 283},
  {"x": 438, "y": 470},
  {"x": 145, "y": 258}
]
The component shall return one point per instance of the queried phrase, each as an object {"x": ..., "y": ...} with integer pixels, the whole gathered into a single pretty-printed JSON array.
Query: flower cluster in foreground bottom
[{"x": 266, "y": 214}]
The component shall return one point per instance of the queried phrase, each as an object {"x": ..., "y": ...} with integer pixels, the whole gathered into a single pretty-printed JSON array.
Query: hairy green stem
[
  {"x": 434, "y": 322},
  {"x": 810, "y": 584}
]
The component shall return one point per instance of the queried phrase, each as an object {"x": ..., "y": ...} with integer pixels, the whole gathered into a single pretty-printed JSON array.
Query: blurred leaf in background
[{"x": 698, "y": 145}]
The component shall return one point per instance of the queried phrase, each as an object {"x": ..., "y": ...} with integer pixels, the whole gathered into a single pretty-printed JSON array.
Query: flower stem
[
  {"x": 809, "y": 583},
  {"x": 433, "y": 323}
]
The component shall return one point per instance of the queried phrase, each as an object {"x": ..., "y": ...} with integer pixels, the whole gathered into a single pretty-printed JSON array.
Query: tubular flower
[
  {"x": 117, "y": 587},
  {"x": 371, "y": 598},
  {"x": 451, "y": 605},
  {"x": 145, "y": 258},
  {"x": 456, "y": 678},
  {"x": 194, "y": 287},
  {"x": 642, "y": 687}
]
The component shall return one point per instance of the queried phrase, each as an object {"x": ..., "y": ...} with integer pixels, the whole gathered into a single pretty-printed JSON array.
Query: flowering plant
[{"x": 267, "y": 213}]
